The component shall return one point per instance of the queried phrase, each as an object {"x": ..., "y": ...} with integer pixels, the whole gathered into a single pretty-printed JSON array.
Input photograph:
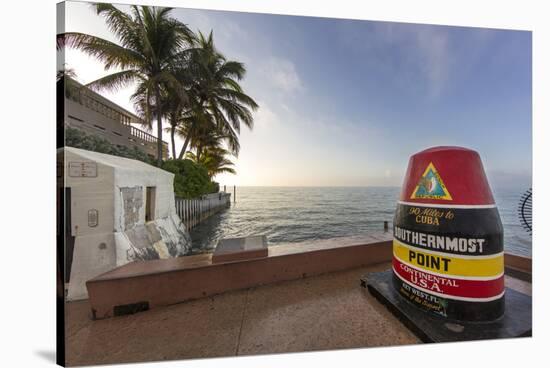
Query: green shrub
[
  {"x": 215, "y": 187},
  {"x": 78, "y": 139},
  {"x": 191, "y": 179}
]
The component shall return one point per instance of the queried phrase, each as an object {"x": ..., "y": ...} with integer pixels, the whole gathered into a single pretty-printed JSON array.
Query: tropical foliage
[
  {"x": 179, "y": 77},
  {"x": 151, "y": 45},
  {"x": 215, "y": 160},
  {"x": 78, "y": 139},
  {"x": 191, "y": 180},
  {"x": 218, "y": 104}
]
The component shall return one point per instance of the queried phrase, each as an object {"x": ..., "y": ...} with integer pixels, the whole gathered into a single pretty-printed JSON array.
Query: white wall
[
  {"x": 90, "y": 193},
  {"x": 114, "y": 242},
  {"x": 164, "y": 193},
  {"x": 94, "y": 247}
]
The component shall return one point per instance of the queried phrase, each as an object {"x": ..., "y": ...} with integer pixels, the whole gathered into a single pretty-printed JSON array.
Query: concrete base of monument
[{"x": 516, "y": 321}]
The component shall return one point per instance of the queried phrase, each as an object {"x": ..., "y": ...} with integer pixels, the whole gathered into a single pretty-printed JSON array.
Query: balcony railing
[
  {"x": 85, "y": 98},
  {"x": 144, "y": 136},
  {"x": 138, "y": 133}
]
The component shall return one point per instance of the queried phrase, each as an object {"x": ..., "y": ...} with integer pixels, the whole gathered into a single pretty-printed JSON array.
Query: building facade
[
  {"x": 92, "y": 113},
  {"x": 112, "y": 211}
]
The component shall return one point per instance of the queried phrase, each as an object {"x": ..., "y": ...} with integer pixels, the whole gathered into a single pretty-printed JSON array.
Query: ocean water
[{"x": 296, "y": 214}]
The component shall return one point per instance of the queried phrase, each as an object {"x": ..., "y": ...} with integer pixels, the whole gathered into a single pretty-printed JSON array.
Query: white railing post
[{"x": 194, "y": 211}]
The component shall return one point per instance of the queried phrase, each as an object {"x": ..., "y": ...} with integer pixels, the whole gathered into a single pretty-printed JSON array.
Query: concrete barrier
[
  {"x": 140, "y": 286},
  {"x": 143, "y": 285}
]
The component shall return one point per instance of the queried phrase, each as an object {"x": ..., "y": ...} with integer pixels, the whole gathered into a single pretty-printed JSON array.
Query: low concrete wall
[
  {"x": 519, "y": 263},
  {"x": 156, "y": 283},
  {"x": 518, "y": 266},
  {"x": 149, "y": 284}
]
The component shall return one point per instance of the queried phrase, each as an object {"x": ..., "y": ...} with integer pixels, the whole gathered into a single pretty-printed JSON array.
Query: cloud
[
  {"x": 428, "y": 53},
  {"x": 282, "y": 74},
  {"x": 417, "y": 54},
  {"x": 433, "y": 57},
  {"x": 428, "y": 56},
  {"x": 265, "y": 116},
  {"x": 223, "y": 28}
]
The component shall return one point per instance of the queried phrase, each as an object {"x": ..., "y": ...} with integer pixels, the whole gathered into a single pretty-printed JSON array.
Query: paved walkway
[{"x": 330, "y": 311}]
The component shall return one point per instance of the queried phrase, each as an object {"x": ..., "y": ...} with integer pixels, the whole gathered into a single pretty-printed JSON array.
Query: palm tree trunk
[
  {"x": 186, "y": 143},
  {"x": 159, "y": 127},
  {"x": 172, "y": 133},
  {"x": 199, "y": 150}
]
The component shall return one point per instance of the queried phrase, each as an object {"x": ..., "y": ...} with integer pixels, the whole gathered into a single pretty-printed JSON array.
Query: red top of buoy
[{"x": 446, "y": 175}]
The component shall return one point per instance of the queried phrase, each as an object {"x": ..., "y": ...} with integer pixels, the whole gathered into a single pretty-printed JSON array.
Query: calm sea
[{"x": 295, "y": 214}]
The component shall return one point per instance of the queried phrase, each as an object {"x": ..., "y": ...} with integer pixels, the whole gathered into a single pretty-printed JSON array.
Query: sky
[{"x": 347, "y": 102}]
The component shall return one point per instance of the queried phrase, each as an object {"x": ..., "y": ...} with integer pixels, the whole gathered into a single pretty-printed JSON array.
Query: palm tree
[
  {"x": 215, "y": 160},
  {"x": 65, "y": 72},
  {"x": 206, "y": 135},
  {"x": 177, "y": 111},
  {"x": 151, "y": 45},
  {"x": 208, "y": 142},
  {"x": 66, "y": 84},
  {"x": 215, "y": 96}
]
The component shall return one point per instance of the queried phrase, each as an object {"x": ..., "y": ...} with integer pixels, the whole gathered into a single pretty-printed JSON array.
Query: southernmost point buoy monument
[
  {"x": 447, "y": 276},
  {"x": 448, "y": 254}
]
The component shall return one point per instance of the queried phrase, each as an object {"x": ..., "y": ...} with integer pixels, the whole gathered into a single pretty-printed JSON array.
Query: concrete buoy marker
[{"x": 448, "y": 254}]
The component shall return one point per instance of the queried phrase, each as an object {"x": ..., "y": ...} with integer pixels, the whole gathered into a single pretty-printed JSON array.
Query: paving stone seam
[{"x": 242, "y": 323}]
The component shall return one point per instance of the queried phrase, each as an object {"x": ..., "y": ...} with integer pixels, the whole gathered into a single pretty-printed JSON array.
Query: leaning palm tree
[
  {"x": 215, "y": 94},
  {"x": 151, "y": 44}
]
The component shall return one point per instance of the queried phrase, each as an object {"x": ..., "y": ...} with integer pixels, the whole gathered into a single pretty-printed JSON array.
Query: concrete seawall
[{"x": 194, "y": 211}]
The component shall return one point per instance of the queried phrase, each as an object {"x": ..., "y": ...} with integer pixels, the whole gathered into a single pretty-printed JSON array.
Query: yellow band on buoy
[{"x": 450, "y": 264}]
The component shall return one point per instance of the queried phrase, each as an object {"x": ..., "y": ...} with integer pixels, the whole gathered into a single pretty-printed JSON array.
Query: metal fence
[{"x": 194, "y": 211}]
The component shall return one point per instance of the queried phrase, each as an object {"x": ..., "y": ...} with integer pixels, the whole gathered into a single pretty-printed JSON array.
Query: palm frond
[
  {"x": 109, "y": 53},
  {"x": 232, "y": 69},
  {"x": 120, "y": 24},
  {"x": 114, "y": 82}
]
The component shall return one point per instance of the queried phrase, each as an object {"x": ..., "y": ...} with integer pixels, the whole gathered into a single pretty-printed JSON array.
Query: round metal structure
[{"x": 525, "y": 210}]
